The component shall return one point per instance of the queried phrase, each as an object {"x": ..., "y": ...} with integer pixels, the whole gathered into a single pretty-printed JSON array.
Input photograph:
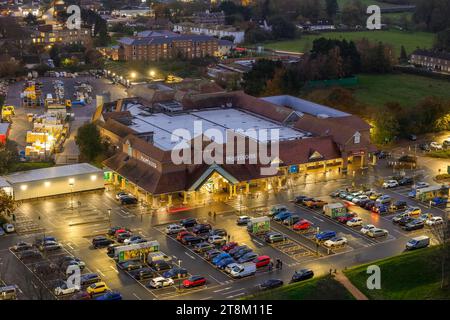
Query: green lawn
[
  {"x": 376, "y": 90},
  {"x": 397, "y": 38},
  {"x": 323, "y": 288},
  {"x": 409, "y": 276}
]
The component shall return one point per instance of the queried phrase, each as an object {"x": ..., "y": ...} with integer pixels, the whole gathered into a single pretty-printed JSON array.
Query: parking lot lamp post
[
  {"x": 179, "y": 276},
  {"x": 71, "y": 195},
  {"x": 109, "y": 217}
]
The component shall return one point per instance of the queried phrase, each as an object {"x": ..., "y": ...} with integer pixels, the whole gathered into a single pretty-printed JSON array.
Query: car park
[
  {"x": 272, "y": 237},
  {"x": 271, "y": 284},
  {"x": 377, "y": 233},
  {"x": 325, "y": 235},
  {"x": 188, "y": 222},
  {"x": 301, "y": 275},
  {"x": 160, "y": 265},
  {"x": 101, "y": 241},
  {"x": 365, "y": 229},
  {"x": 176, "y": 273},
  {"x": 96, "y": 288},
  {"x": 261, "y": 261},
  {"x": 174, "y": 228},
  {"x": 415, "y": 224},
  {"x": 355, "y": 222},
  {"x": 203, "y": 247},
  {"x": 302, "y": 225},
  {"x": 243, "y": 220},
  {"x": 390, "y": 184},
  {"x": 434, "y": 221},
  {"x": 194, "y": 281},
  {"x": 335, "y": 242},
  {"x": 110, "y": 296},
  {"x": 160, "y": 282}
]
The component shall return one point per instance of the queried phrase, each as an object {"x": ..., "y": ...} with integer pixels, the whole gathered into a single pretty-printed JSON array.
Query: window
[{"x": 357, "y": 137}]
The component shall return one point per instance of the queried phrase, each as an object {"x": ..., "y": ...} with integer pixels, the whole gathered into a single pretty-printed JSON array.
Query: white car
[
  {"x": 354, "y": 222},
  {"x": 390, "y": 184},
  {"x": 8, "y": 227},
  {"x": 420, "y": 185},
  {"x": 436, "y": 146},
  {"x": 376, "y": 233},
  {"x": 367, "y": 228},
  {"x": 174, "y": 228},
  {"x": 217, "y": 240},
  {"x": 336, "y": 241},
  {"x": 434, "y": 221},
  {"x": 360, "y": 198},
  {"x": 160, "y": 282},
  {"x": 64, "y": 289}
]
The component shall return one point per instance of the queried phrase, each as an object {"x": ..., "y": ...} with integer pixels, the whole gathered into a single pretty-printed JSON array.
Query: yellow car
[
  {"x": 97, "y": 288},
  {"x": 374, "y": 196}
]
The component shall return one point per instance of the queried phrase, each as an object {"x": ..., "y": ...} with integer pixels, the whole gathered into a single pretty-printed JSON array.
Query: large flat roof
[
  {"x": 163, "y": 125},
  {"x": 51, "y": 173}
]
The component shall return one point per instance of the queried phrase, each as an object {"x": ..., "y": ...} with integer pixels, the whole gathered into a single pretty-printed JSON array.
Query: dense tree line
[{"x": 433, "y": 15}]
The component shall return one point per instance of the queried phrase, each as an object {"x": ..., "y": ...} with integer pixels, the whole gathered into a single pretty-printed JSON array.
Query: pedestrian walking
[
  {"x": 214, "y": 216},
  {"x": 228, "y": 237},
  {"x": 281, "y": 265}
]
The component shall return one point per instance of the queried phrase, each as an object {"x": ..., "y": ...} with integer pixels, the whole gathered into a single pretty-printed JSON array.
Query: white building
[
  {"x": 53, "y": 181},
  {"x": 209, "y": 30}
]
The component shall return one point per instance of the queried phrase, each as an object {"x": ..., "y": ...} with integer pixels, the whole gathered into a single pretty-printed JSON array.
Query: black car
[
  {"x": 130, "y": 265},
  {"x": 112, "y": 230},
  {"x": 302, "y": 274},
  {"x": 89, "y": 278},
  {"x": 363, "y": 202},
  {"x": 271, "y": 284},
  {"x": 110, "y": 251},
  {"x": 188, "y": 222},
  {"x": 128, "y": 200},
  {"x": 201, "y": 228},
  {"x": 218, "y": 232},
  {"x": 236, "y": 249},
  {"x": 424, "y": 147},
  {"x": 369, "y": 205},
  {"x": 405, "y": 181},
  {"x": 398, "y": 205},
  {"x": 209, "y": 255},
  {"x": 144, "y": 273},
  {"x": 101, "y": 241},
  {"x": 412, "y": 137},
  {"x": 416, "y": 224},
  {"x": 189, "y": 240},
  {"x": 241, "y": 253},
  {"x": 160, "y": 265},
  {"x": 405, "y": 220},
  {"x": 30, "y": 255},
  {"x": 176, "y": 273},
  {"x": 299, "y": 199}
]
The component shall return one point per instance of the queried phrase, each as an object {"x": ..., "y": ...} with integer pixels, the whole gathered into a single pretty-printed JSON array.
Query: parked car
[
  {"x": 143, "y": 274},
  {"x": 436, "y": 146},
  {"x": 224, "y": 263},
  {"x": 228, "y": 246},
  {"x": 277, "y": 209},
  {"x": 130, "y": 265},
  {"x": 112, "y": 231},
  {"x": 302, "y": 225},
  {"x": 96, "y": 288},
  {"x": 243, "y": 270},
  {"x": 439, "y": 201},
  {"x": 183, "y": 234},
  {"x": 190, "y": 240},
  {"x": 365, "y": 229},
  {"x": 132, "y": 239},
  {"x": 219, "y": 257},
  {"x": 176, "y": 273},
  {"x": 421, "y": 185},
  {"x": 385, "y": 199},
  {"x": 374, "y": 195},
  {"x": 398, "y": 205},
  {"x": 405, "y": 220},
  {"x": 418, "y": 243},
  {"x": 241, "y": 253},
  {"x": 315, "y": 203},
  {"x": 347, "y": 217},
  {"x": 174, "y": 228},
  {"x": 128, "y": 199},
  {"x": 160, "y": 265},
  {"x": 243, "y": 220},
  {"x": 188, "y": 222},
  {"x": 50, "y": 246},
  {"x": 390, "y": 184},
  {"x": 369, "y": 205},
  {"x": 203, "y": 247},
  {"x": 291, "y": 220},
  {"x": 336, "y": 193},
  {"x": 424, "y": 217},
  {"x": 377, "y": 233},
  {"x": 302, "y": 274},
  {"x": 413, "y": 211},
  {"x": 272, "y": 237},
  {"x": 89, "y": 278},
  {"x": 218, "y": 232},
  {"x": 361, "y": 198},
  {"x": 217, "y": 240},
  {"x": 406, "y": 181},
  {"x": 354, "y": 222},
  {"x": 209, "y": 255},
  {"x": 22, "y": 246},
  {"x": 8, "y": 227},
  {"x": 248, "y": 257},
  {"x": 415, "y": 224},
  {"x": 282, "y": 215},
  {"x": 194, "y": 281},
  {"x": 121, "y": 194},
  {"x": 160, "y": 282},
  {"x": 201, "y": 228},
  {"x": 2, "y": 232},
  {"x": 434, "y": 221},
  {"x": 335, "y": 242},
  {"x": 81, "y": 295},
  {"x": 325, "y": 235},
  {"x": 424, "y": 147},
  {"x": 271, "y": 284},
  {"x": 381, "y": 208},
  {"x": 64, "y": 289},
  {"x": 123, "y": 236},
  {"x": 261, "y": 261},
  {"x": 110, "y": 296}
]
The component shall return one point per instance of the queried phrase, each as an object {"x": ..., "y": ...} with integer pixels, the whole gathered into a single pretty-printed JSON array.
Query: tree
[
  {"x": 442, "y": 41},
  {"x": 331, "y": 7},
  {"x": 403, "y": 56},
  {"x": 8, "y": 156},
  {"x": 90, "y": 142},
  {"x": 254, "y": 81},
  {"x": 441, "y": 233},
  {"x": 353, "y": 13},
  {"x": 282, "y": 28},
  {"x": 7, "y": 203}
]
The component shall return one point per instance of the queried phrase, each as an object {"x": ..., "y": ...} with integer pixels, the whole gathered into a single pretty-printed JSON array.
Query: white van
[
  {"x": 243, "y": 270},
  {"x": 158, "y": 256}
]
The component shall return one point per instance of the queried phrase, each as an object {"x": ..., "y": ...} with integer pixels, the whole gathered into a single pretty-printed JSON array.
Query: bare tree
[{"x": 441, "y": 233}]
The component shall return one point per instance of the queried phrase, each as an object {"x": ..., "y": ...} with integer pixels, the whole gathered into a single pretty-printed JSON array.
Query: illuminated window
[
  {"x": 47, "y": 184},
  {"x": 71, "y": 181},
  {"x": 93, "y": 177},
  {"x": 23, "y": 187}
]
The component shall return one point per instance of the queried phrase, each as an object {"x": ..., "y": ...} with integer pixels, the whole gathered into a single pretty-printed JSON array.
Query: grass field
[
  {"x": 411, "y": 276},
  {"x": 397, "y": 38},
  {"x": 324, "y": 288},
  {"x": 376, "y": 90}
]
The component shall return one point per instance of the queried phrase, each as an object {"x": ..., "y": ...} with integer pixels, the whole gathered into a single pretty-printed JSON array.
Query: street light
[
  {"x": 152, "y": 73},
  {"x": 109, "y": 217},
  {"x": 71, "y": 182},
  {"x": 133, "y": 75},
  {"x": 179, "y": 276}
]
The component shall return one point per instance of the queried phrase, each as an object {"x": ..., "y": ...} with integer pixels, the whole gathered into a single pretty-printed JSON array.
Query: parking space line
[
  {"x": 214, "y": 278},
  {"x": 114, "y": 268},
  {"x": 103, "y": 275},
  {"x": 224, "y": 289},
  {"x": 137, "y": 297},
  {"x": 236, "y": 295},
  {"x": 190, "y": 256}
]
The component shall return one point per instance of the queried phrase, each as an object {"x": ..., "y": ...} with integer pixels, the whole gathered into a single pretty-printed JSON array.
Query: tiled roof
[{"x": 433, "y": 54}]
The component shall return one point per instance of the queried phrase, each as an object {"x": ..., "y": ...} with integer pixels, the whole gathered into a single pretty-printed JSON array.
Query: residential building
[
  {"x": 207, "y": 17},
  {"x": 219, "y": 31},
  {"x": 49, "y": 34},
  {"x": 433, "y": 60}
]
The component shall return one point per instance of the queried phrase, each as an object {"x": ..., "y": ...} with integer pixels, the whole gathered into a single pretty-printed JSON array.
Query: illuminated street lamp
[
  {"x": 152, "y": 73},
  {"x": 179, "y": 276},
  {"x": 109, "y": 217},
  {"x": 71, "y": 183},
  {"x": 133, "y": 75}
]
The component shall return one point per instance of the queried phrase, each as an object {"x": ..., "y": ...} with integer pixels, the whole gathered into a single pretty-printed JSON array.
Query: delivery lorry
[
  {"x": 334, "y": 210},
  {"x": 259, "y": 225}
]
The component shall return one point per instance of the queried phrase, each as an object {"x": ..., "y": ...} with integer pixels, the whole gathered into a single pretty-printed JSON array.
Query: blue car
[
  {"x": 224, "y": 262},
  {"x": 282, "y": 215},
  {"x": 110, "y": 296},
  {"x": 221, "y": 256},
  {"x": 381, "y": 208},
  {"x": 438, "y": 201},
  {"x": 2, "y": 232},
  {"x": 412, "y": 193},
  {"x": 325, "y": 235}
]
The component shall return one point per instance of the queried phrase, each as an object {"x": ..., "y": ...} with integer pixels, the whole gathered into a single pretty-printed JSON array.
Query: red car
[
  {"x": 302, "y": 225},
  {"x": 262, "y": 261},
  {"x": 182, "y": 234},
  {"x": 347, "y": 217},
  {"x": 194, "y": 281},
  {"x": 228, "y": 246},
  {"x": 116, "y": 234}
]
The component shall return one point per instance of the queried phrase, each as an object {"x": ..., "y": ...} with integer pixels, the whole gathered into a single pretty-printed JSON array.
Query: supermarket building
[{"x": 312, "y": 139}]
